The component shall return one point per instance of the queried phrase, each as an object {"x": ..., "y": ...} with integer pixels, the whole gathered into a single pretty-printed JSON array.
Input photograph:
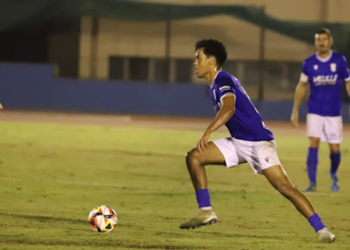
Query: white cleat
[
  {"x": 204, "y": 218},
  {"x": 325, "y": 236}
]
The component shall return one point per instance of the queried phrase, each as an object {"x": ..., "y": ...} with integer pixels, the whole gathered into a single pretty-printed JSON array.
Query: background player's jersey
[
  {"x": 326, "y": 76},
  {"x": 246, "y": 123}
]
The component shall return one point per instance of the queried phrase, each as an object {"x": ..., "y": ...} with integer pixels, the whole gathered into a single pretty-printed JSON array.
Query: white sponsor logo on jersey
[
  {"x": 315, "y": 67},
  {"x": 325, "y": 79}
]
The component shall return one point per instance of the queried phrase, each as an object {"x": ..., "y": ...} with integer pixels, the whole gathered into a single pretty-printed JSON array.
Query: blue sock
[
  {"x": 203, "y": 198},
  {"x": 335, "y": 161},
  {"x": 312, "y": 161},
  {"x": 315, "y": 222}
]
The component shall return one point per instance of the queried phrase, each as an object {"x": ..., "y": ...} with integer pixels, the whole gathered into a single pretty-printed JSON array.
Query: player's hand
[
  {"x": 295, "y": 118},
  {"x": 203, "y": 141},
  {"x": 0, "y": 106}
]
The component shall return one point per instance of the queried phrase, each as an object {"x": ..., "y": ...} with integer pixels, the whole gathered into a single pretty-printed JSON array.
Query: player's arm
[
  {"x": 348, "y": 87},
  {"x": 348, "y": 90},
  {"x": 228, "y": 102},
  {"x": 0, "y": 106},
  {"x": 298, "y": 98},
  {"x": 345, "y": 72},
  {"x": 227, "y": 110}
]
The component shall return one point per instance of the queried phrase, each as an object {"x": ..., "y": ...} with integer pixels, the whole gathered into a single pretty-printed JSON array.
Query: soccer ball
[{"x": 103, "y": 219}]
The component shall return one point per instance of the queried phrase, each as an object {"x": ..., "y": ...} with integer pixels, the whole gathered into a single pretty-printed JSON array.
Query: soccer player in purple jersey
[
  {"x": 325, "y": 72},
  {"x": 250, "y": 141}
]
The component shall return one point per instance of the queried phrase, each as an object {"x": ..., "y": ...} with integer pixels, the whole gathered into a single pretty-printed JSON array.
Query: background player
[
  {"x": 325, "y": 71},
  {"x": 251, "y": 141}
]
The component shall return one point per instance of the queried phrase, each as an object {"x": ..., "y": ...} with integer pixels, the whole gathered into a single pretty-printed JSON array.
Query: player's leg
[
  {"x": 315, "y": 126},
  {"x": 333, "y": 134},
  {"x": 262, "y": 157},
  {"x": 196, "y": 163},
  {"x": 279, "y": 180},
  {"x": 335, "y": 156},
  {"x": 312, "y": 162}
]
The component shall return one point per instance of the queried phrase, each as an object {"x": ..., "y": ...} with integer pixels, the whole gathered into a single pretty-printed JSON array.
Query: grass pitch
[{"x": 51, "y": 176}]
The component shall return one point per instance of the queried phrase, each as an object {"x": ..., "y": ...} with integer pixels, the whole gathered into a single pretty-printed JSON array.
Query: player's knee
[
  {"x": 314, "y": 142},
  {"x": 335, "y": 149},
  {"x": 192, "y": 157}
]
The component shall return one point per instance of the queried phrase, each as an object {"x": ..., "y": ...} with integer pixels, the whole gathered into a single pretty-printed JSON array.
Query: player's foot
[
  {"x": 205, "y": 217},
  {"x": 334, "y": 186},
  {"x": 325, "y": 236},
  {"x": 311, "y": 188}
]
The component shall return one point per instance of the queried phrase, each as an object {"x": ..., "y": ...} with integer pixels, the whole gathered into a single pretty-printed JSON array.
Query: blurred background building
[{"x": 153, "y": 41}]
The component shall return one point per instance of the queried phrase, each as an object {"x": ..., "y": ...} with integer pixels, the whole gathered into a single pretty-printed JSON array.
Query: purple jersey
[
  {"x": 326, "y": 76},
  {"x": 246, "y": 123}
]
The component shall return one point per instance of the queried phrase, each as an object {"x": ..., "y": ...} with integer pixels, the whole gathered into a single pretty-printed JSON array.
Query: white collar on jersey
[
  {"x": 324, "y": 59},
  {"x": 215, "y": 78}
]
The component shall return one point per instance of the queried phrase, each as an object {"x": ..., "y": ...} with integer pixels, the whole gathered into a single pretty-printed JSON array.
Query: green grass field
[{"x": 51, "y": 176}]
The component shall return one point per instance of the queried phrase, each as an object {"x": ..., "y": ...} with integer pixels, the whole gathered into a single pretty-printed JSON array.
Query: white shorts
[
  {"x": 260, "y": 155},
  {"x": 328, "y": 128}
]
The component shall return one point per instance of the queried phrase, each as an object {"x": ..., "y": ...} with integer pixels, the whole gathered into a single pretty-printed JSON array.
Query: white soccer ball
[{"x": 103, "y": 219}]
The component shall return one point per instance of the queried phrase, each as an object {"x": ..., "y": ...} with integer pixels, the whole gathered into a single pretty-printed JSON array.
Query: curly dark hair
[{"x": 214, "y": 48}]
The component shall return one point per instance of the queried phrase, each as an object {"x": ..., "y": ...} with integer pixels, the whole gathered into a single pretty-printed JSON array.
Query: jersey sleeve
[
  {"x": 344, "y": 69},
  {"x": 224, "y": 87},
  {"x": 304, "y": 74}
]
